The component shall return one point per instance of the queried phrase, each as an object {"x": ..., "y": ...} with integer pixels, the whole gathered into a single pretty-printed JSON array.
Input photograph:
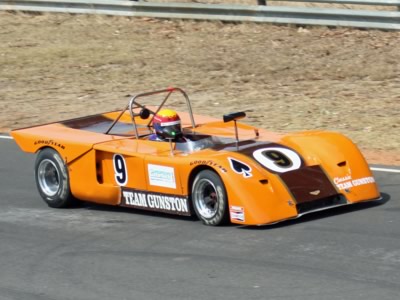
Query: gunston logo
[
  {"x": 348, "y": 182},
  {"x": 172, "y": 204},
  {"x": 161, "y": 176}
]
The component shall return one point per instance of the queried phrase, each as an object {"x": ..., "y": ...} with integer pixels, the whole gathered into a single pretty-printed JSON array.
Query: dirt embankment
[{"x": 290, "y": 78}]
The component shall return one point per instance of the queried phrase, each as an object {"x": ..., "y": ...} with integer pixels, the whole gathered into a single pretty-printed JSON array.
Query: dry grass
[{"x": 62, "y": 66}]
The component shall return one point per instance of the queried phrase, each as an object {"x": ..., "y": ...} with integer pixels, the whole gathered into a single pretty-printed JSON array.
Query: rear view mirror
[
  {"x": 144, "y": 113},
  {"x": 234, "y": 116}
]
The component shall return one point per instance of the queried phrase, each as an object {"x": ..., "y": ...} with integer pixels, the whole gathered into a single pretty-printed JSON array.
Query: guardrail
[
  {"x": 271, "y": 14},
  {"x": 353, "y": 2}
]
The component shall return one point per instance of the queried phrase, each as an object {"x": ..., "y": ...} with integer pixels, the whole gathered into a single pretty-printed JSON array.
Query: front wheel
[
  {"x": 52, "y": 180},
  {"x": 209, "y": 198}
]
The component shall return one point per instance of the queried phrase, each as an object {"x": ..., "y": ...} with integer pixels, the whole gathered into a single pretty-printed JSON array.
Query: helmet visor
[{"x": 172, "y": 131}]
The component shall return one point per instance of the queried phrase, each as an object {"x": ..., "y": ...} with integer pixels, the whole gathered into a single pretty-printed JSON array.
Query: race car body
[{"x": 222, "y": 171}]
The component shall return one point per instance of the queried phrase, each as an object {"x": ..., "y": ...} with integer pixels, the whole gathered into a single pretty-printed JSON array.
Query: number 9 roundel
[{"x": 278, "y": 159}]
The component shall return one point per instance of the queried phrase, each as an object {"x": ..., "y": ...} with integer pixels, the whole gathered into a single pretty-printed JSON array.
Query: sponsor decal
[
  {"x": 161, "y": 176},
  {"x": 362, "y": 181},
  {"x": 208, "y": 163},
  {"x": 240, "y": 167},
  {"x": 49, "y": 143},
  {"x": 172, "y": 204},
  {"x": 237, "y": 213},
  {"x": 344, "y": 185},
  {"x": 338, "y": 180},
  {"x": 346, "y": 182}
]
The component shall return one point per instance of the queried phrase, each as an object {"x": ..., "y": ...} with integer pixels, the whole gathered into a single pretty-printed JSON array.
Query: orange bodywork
[{"x": 257, "y": 190}]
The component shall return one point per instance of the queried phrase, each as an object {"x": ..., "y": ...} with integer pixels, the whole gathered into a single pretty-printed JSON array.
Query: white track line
[
  {"x": 6, "y": 137},
  {"x": 372, "y": 168},
  {"x": 385, "y": 170}
]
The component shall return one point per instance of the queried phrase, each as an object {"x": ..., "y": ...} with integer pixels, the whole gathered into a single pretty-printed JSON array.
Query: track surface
[{"x": 98, "y": 252}]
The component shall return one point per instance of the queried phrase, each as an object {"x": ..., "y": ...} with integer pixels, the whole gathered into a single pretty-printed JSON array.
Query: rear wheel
[
  {"x": 209, "y": 198},
  {"x": 52, "y": 181}
]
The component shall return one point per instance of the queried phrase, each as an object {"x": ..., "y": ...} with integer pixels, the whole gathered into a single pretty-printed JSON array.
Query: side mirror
[
  {"x": 144, "y": 114},
  {"x": 234, "y": 116}
]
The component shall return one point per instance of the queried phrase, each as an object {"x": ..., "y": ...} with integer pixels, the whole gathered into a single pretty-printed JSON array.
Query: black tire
[
  {"x": 52, "y": 180},
  {"x": 209, "y": 198}
]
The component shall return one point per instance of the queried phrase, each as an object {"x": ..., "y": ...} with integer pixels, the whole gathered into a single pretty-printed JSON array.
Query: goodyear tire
[
  {"x": 52, "y": 180},
  {"x": 209, "y": 198}
]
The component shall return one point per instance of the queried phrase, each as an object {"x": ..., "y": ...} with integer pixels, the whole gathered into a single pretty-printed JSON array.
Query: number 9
[
  {"x": 121, "y": 176},
  {"x": 277, "y": 159}
]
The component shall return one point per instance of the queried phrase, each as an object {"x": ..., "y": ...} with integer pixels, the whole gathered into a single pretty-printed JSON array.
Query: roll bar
[{"x": 133, "y": 103}]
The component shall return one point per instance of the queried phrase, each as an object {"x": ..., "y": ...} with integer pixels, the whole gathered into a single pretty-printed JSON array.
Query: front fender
[
  {"x": 260, "y": 197},
  {"x": 340, "y": 158}
]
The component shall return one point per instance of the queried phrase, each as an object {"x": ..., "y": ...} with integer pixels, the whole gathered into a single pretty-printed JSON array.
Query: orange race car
[{"x": 152, "y": 158}]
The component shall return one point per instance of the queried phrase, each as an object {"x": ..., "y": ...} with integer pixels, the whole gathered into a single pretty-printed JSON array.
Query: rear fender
[
  {"x": 90, "y": 181},
  {"x": 32, "y": 139}
]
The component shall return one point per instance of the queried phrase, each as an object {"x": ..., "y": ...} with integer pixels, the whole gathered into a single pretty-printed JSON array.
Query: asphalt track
[{"x": 99, "y": 252}]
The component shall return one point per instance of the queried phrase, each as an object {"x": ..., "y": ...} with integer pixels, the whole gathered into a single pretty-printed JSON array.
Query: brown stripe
[{"x": 308, "y": 184}]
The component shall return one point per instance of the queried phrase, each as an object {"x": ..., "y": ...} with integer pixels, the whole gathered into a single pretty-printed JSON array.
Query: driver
[{"x": 167, "y": 125}]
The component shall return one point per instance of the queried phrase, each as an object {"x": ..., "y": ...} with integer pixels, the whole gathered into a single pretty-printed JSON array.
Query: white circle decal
[{"x": 278, "y": 159}]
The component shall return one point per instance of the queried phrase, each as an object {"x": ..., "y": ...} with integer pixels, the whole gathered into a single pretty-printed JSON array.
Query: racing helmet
[{"x": 167, "y": 124}]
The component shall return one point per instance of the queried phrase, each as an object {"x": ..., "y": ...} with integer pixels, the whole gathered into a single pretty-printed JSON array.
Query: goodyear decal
[
  {"x": 208, "y": 163},
  {"x": 49, "y": 143}
]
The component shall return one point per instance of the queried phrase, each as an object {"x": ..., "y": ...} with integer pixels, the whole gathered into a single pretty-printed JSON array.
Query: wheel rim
[
  {"x": 206, "y": 198},
  {"x": 48, "y": 177}
]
